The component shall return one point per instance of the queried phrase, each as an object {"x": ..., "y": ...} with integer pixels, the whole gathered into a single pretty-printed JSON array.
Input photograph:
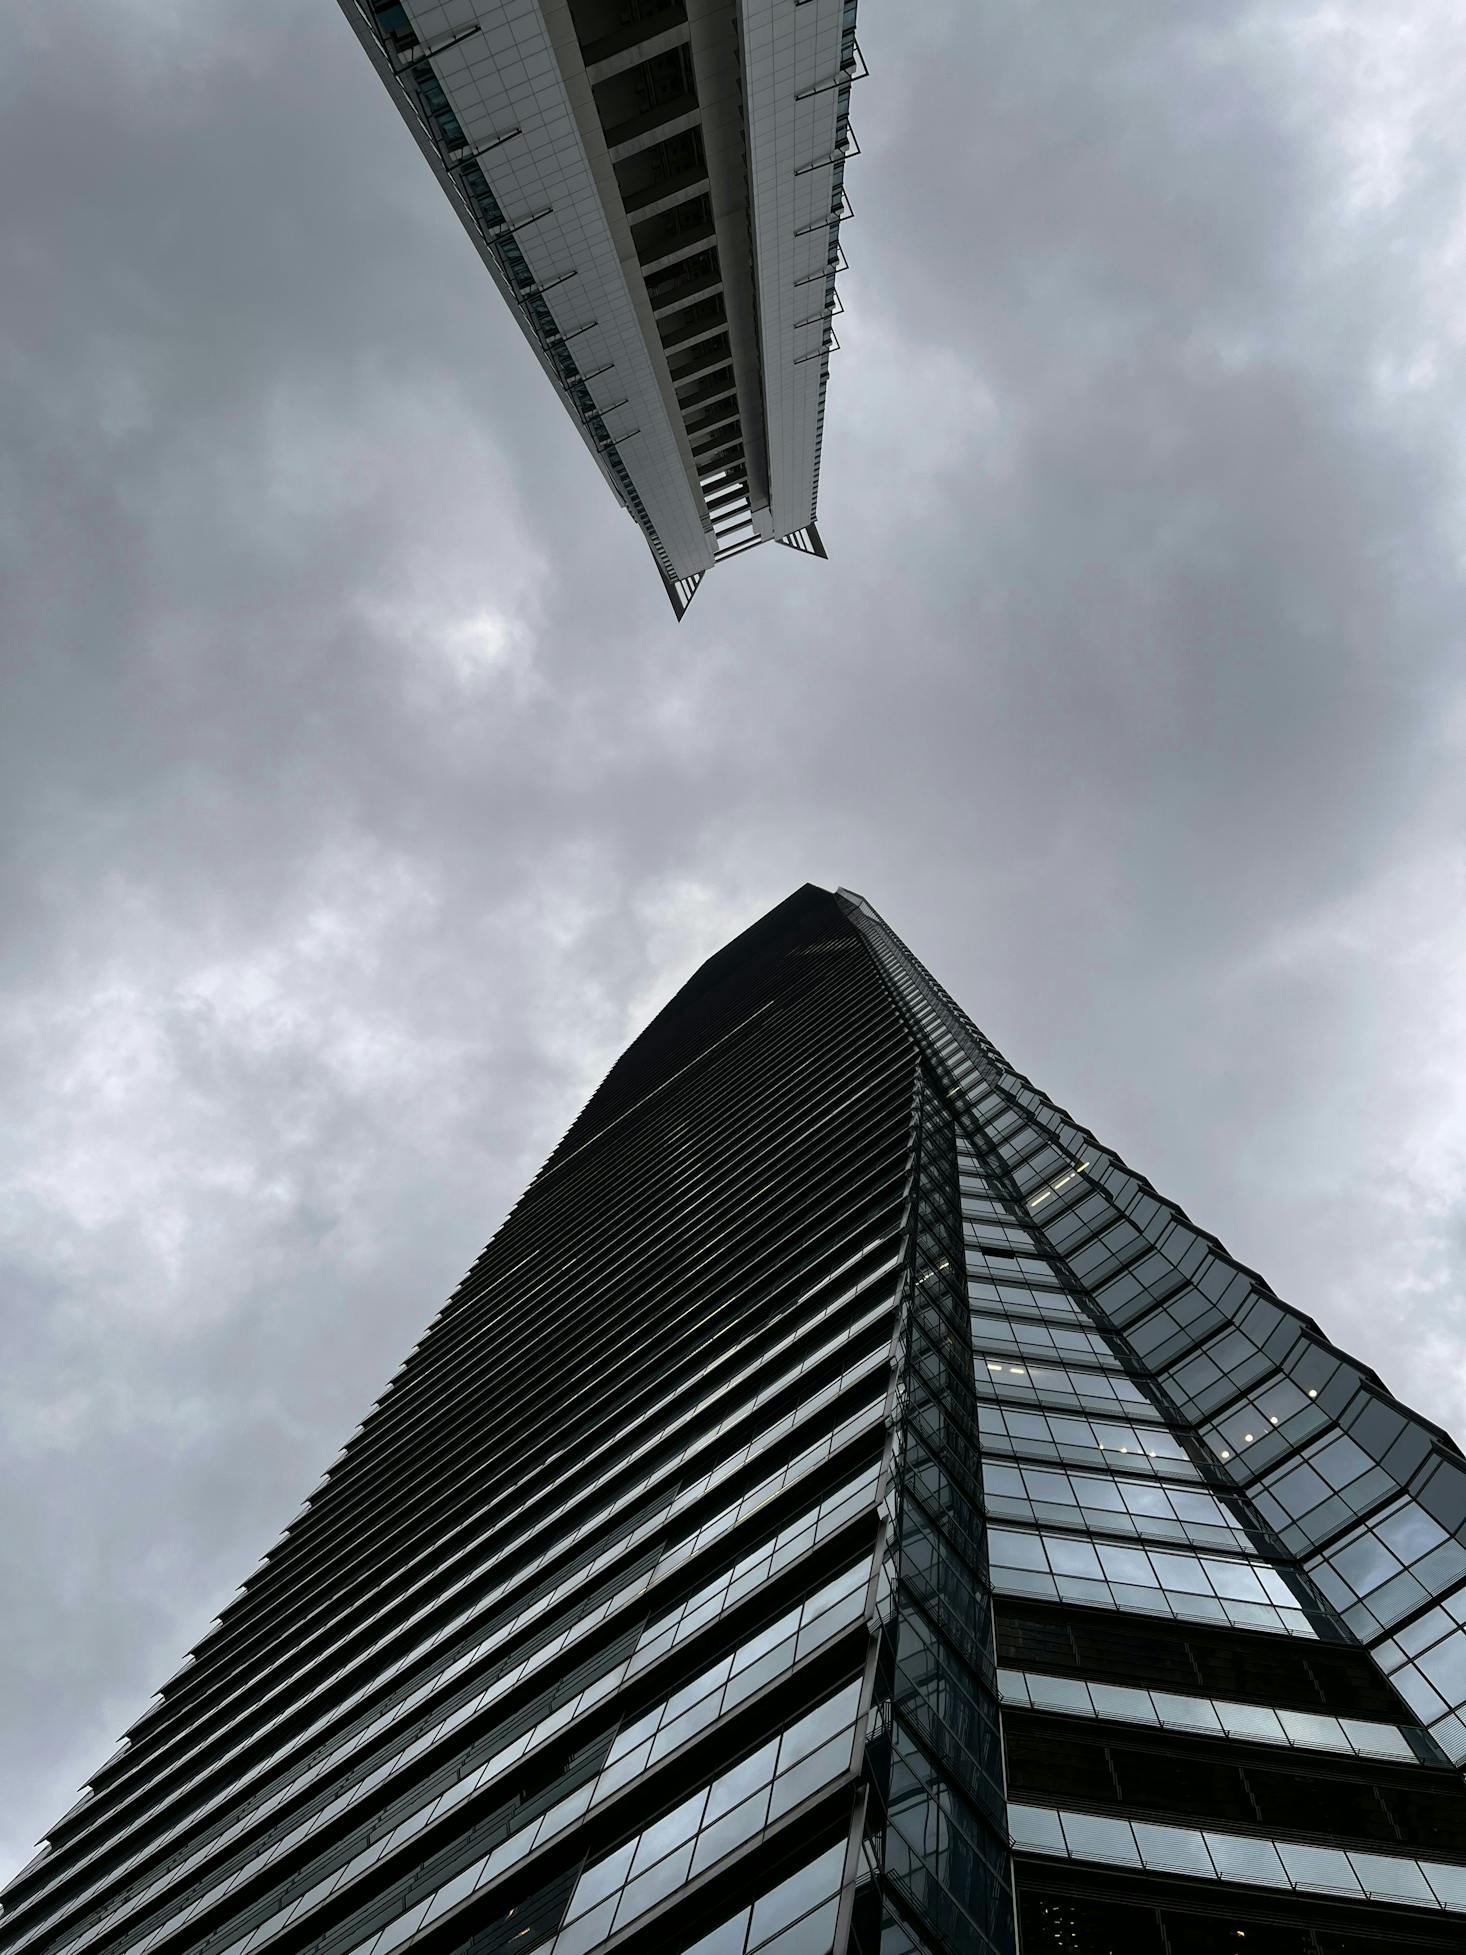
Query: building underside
[{"x": 656, "y": 187}]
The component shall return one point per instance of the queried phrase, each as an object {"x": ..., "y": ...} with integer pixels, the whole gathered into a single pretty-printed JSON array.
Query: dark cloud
[{"x": 358, "y": 796}]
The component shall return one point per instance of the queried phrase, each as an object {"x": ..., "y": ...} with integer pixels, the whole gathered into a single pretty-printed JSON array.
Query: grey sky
[{"x": 359, "y": 798}]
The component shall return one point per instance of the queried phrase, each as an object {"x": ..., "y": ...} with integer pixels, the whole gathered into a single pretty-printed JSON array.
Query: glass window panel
[
  {"x": 1251, "y": 1721},
  {"x": 814, "y": 1935},
  {"x": 398, "y": 1931},
  {"x": 1093, "y": 1838},
  {"x": 741, "y": 1781},
  {"x": 797, "y": 1895},
  {"x": 588, "y": 1930},
  {"x": 1232, "y": 1578},
  {"x": 679, "y": 1729},
  {"x": 1445, "y": 1666},
  {"x": 506, "y": 1853},
  {"x": 1410, "y": 1531},
  {"x": 1118, "y": 1700},
  {"x": 1383, "y": 1740},
  {"x": 1417, "y": 1635},
  {"x": 1175, "y": 1848},
  {"x": 1318, "y": 1866},
  {"x": 453, "y": 1891},
  {"x": 725, "y": 1939},
  {"x": 1079, "y": 1588},
  {"x": 1312, "y": 1728},
  {"x": 1036, "y": 1828},
  {"x": 1276, "y": 1587},
  {"x": 1026, "y": 1425},
  {"x": 1388, "y": 1874},
  {"x": 1068, "y": 1557},
  {"x": 810, "y": 1772},
  {"x": 695, "y": 1691},
  {"x": 1076, "y": 1432},
  {"x": 1128, "y": 1565},
  {"x": 1236, "y": 1858},
  {"x": 1041, "y": 1485},
  {"x": 1299, "y": 1490},
  {"x": 1008, "y": 1549},
  {"x": 1060, "y": 1694},
  {"x": 1339, "y": 1460},
  {"x": 1196, "y": 1713},
  {"x": 1418, "y": 1694},
  {"x": 1023, "y": 1581},
  {"x": 822, "y": 1722},
  {"x": 603, "y": 1877},
  {"x": 1449, "y": 1883},
  {"x": 1104, "y": 1496},
  {"x": 1199, "y": 1507},
  {"x": 1364, "y": 1564},
  {"x": 720, "y": 1836},
  {"x": 629, "y": 1766},
  {"x": 631, "y": 1735},
  {"x": 766, "y": 1640},
  {"x": 644, "y": 1890},
  {"x": 1183, "y": 1572},
  {"x": 1400, "y": 1596},
  {"x": 1442, "y": 1566},
  {"x": 1141, "y": 1498},
  {"x": 670, "y": 1830}
]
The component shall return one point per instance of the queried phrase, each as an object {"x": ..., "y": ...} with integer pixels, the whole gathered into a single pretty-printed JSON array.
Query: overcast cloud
[{"x": 359, "y": 798}]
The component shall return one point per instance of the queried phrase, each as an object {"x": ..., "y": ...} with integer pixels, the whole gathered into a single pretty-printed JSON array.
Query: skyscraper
[
  {"x": 844, "y": 1508},
  {"x": 656, "y": 187}
]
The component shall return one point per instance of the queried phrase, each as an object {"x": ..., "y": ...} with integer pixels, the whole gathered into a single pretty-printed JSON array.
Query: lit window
[{"x": 1059, "y": 1181}]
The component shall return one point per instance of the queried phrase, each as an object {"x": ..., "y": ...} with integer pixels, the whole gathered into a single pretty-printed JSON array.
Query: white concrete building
[{"x": 656, "y": 187}]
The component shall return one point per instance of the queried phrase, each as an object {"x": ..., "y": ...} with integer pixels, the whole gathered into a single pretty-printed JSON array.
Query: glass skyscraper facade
[{"x": 844, "y": 1508}]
